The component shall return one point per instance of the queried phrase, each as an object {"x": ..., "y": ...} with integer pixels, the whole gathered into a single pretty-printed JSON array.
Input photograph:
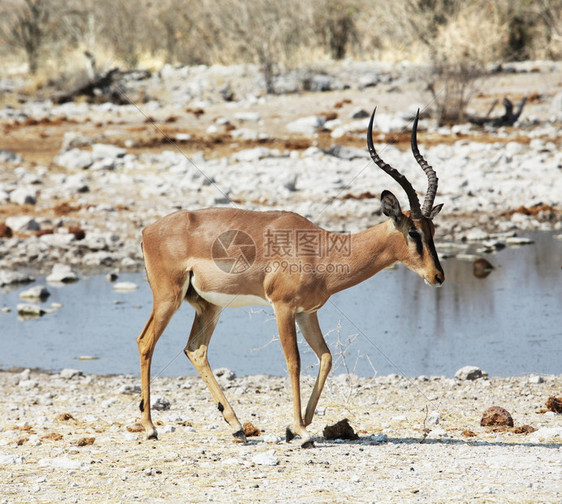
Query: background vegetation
[{"x": 458, "y": 39}]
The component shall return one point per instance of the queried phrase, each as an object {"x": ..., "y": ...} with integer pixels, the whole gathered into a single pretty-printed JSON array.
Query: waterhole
[{"x": 508, "y": 323}]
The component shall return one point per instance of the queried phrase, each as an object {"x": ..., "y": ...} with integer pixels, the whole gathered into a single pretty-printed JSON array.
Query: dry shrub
[{"x": 461, "y": 51}]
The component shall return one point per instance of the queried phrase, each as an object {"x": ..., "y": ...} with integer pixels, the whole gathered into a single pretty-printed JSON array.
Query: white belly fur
[{"x": 230, "y": 300}]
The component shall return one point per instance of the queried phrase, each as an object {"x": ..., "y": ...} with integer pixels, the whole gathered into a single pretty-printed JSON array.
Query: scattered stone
[
  {"x": 523, "y": 429},
  {"x": 433, "y": 418},
  {"x": 104, "y": 151},
  {"x": 496, "y": 417},
  {"x": 5, "y": 230},
  {"x": 60, "y": 463},
  {"x": 7, "y": 156},
  {"x": 135, "y": 428},
  {"x": 36, "y": 292},
  {"x": 247, "y": 116},
  {"x": 129, "y": 389},
  {"x": 548, "y": 433},
  {"x": 225, "y": 373},
  {"x": 340, "y": 430},
  {"x": 85, "y": 441},
  {"x": 62, "y": 273},
  {"x": 14, "y": 277},
  {"x": 272, "y": 439},
  {"x": 536, "y": 379},
  {"x": 554, "y": 404},
  {"x": 161, "y": 404},
  {"x": 379, "y": 439},
  {"x": 30, "y": 310},
  {"x": 24, "y": 196},
  {"x": 23, "y": 223},
  {"x": 70, "y": 374},
  {"x": 9, "y": 459},
  {"x": 518, "y": 241},
  {"x": 360, "y": 114},
  {"x": 75, "y": 159},
  {"x": 470, "y": 373},
  {"x": 306, "y": 125},
  {"x": 125, "y": 286},
  {"x": 267, "y": 458},
  {"x": 250, "y": 430}
]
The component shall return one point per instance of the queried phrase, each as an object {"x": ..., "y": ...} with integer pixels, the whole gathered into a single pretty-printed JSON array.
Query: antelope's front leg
[{"x": 288, "y": 336}]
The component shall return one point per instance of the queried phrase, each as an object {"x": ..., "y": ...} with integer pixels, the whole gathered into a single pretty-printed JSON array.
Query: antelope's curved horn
[
  {"x": 429, "y": 171},
  {"x": 395, "y": 174}
]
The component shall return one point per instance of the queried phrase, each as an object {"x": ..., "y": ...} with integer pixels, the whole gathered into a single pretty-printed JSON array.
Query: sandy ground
[{"x": 420, "y": 440}]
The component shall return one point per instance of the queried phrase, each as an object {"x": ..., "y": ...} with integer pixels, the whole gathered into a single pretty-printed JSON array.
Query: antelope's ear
[
  {"x": 435, "y": 211},
  {"x": 391, "y": 207}
]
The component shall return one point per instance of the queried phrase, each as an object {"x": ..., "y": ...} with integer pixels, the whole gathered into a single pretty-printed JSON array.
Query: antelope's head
[{"x": 416, "y": 225}]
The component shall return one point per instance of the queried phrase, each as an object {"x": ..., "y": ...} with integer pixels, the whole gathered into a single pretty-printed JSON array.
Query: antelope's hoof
[
  {"x": 308, "y": 444},
  {"x": 239, "y": 436},
  {"x": 152, "y": 434},
  {"x": 289, "y": 435}
]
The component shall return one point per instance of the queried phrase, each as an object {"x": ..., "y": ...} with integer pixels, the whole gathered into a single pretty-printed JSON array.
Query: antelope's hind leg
[
  {"x": 162, "y": 312},
  {"x": 206, "y": 318}
]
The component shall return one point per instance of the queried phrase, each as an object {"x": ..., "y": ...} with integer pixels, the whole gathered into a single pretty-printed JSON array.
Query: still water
[{"x": 509, "y": 323}]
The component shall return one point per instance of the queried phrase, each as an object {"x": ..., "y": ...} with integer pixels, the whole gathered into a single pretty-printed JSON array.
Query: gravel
[{"x": 77, "y": 439}]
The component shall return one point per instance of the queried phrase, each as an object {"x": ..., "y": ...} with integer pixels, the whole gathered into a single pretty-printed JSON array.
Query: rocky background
[{"x": 79, "y": 180}]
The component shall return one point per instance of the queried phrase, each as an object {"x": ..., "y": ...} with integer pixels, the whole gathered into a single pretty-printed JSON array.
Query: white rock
[
  {"x": 28, "y": 384},
  {"x": 23, "y": 223},
  {"x": 13, "y": 277},
  {"x": 102, "y": 151},
  {"x": 307, "y": 125},
  {"x": 69, "y": 374},
  {"x": 518, "y": 240},
  {"x": 35, "y": 292},
  {"x": 231, "y": 461},
  {"x": 470, "y": 373},
  {"x": 225, "y": 373},
  {"x": 125, "y": 286},
  {"x": 7, "y": 156},
  {"x": 266, "y": 458},
  {"x": 547, "y": 433},
  {"x": 255, "y": 154},
  {"x": 75, "y": 159},
  {"x": 160, "y": 404},
  {"x": 129, "y": 389},
  {"x": 30, "y": 310},
  {"x": 247, "y": 117},
  {"x": 272, "y": 439},
  {"x": 60, "y": 463},
  {"x": 433, "y": 418},
  {"x": 9, "y": 459},
  {"x": 24, "y": 196},
  {"x": 60, "y": 240},
  {"x": 62, "y": 273},
  {"x": 379, "y": 439}
]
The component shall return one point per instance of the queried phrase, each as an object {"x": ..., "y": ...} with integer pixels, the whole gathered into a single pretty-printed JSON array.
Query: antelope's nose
[{"x": 439, "y": 278}]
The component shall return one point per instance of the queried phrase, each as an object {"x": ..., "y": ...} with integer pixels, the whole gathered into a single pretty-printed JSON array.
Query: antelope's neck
[{"x": 370, "y": 251}]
